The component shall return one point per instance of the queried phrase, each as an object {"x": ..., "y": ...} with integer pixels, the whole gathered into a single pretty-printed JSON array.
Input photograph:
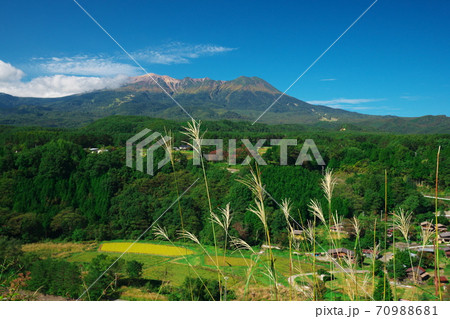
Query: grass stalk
[
  {"x": 437, "y": 283},
  {"x": 374, "y": 254},
  {"x": 161, "y": 233},
  {"x": 328, "y": 184},
  {"x": 254, "y": 183},
  {"x": 286, "y": 208},
  {"x": 385, "y": 231},
  {"x": 193, "y": 131}
]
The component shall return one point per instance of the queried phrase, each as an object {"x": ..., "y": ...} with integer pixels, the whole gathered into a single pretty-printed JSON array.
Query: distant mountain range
[{"x": 243, "y": 99}]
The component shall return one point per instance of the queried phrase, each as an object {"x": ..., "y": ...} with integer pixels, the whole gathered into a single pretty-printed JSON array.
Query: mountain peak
[
  {"x": 253, "y": 84},
  {"x": 189, "y": 85},
  {"x": 147, "y": 82},
  {"x": 165, "y": 78},
  {"x": 152, "y": 76}
]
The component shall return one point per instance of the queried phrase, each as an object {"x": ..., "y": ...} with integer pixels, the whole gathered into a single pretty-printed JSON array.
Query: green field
[{"x": 173, "y": 263}]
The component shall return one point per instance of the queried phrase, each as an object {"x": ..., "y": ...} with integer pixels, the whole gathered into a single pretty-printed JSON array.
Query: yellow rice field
[{"x": 145, "y": 248}]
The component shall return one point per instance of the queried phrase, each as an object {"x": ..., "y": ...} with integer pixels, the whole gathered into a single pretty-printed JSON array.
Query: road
[
  {"x": 433, "y": 197},
  {"x": 292, "y": 282}
]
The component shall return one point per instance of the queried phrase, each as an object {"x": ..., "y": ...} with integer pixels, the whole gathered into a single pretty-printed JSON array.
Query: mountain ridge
[
  {"x": 186, "y": 84},
  {"x": 241, "y": 99}
]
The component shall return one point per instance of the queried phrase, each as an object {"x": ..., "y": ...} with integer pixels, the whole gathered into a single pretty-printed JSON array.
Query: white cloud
[
  {"x": 60, "y": 85},
  {"x": 179, "y": 53},
  {"x": 78, "y": 74},
  {"x": 8, "y": 73},
  {"x": 52, "y": 86},
  {"x": 85, "y": 65},
  {"x": 344, "y": 103},
  {"x": 326, "y": 80}
]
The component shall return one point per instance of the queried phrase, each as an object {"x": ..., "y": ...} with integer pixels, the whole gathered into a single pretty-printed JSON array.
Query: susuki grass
[
  {"x": 161, "y": 233},
  {"x": 254, "y": 183},
  {"x": 193, "y": 132},
  {"x": 437, "y": 282}
]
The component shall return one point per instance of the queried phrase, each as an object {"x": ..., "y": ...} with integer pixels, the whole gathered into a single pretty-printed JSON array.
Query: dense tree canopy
[{"x": 52, "y": 186}]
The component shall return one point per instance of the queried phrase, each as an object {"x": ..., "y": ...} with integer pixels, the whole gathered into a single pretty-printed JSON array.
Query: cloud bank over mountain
[
  {"x": 67, "y": 75},
  {"x": 57, "y": 85}
]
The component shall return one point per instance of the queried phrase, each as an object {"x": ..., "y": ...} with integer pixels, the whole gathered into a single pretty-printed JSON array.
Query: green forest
[{"x": 54, "y": 188}]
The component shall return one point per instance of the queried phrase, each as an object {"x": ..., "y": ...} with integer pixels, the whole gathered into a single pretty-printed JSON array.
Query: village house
[
  {"x": 447, "y": 252},
  {"x": 386, "y": 257},
  {"x": 417, "y": 274},
  {"x": 184, "y": 147},
  {"x": 444, "y": 237},
  {"x": 428, "y": 250},
  {"x": 96, "y": 150},
  {"x": 216, "y": 154},
  {"x": 427, "y": 226},
  {"x": 298, "y": 234},
  {"x": 369, "y": 253},
  {"x": 264, "y": 246},
  {"x": 390, "y": 231},
  {"x": 339, "y": 228},
  {"x": 342, "y": 253}
]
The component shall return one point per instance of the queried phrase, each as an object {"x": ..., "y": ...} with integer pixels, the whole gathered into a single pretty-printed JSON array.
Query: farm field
[
  {"x": 172, "y": 264},
  {"x": 145, "y": 248},
  {"x": 227, "y": 261},
  {"x": 59, "y": 250}
]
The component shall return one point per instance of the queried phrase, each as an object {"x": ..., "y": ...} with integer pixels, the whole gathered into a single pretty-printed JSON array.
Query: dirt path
[
  {"x": 433, "y": 197},
  {"x": 291, "y": 279}
]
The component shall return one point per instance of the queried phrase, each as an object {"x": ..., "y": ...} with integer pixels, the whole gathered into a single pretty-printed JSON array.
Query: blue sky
[{"x": 395, "y": 60}]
